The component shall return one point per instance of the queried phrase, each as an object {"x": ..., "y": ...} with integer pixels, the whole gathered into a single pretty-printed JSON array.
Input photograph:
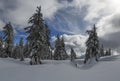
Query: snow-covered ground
[{"x": 108, "y": 69}]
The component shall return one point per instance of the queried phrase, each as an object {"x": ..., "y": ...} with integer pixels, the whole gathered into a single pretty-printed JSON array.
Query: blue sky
[{"x": 68, "y": 18}]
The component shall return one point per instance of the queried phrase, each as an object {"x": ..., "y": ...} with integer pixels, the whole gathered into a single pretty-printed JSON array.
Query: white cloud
[
  {"x": 100, "y": 8},
  {"x": 105, "y": 13},
  {"x": 1, "y": 24},
  {"x": 77, "y": 42},
  {"x": 95, "y": 9},
  {"x": 25, "y": 8},
  {"x": 109, "y": 24}
]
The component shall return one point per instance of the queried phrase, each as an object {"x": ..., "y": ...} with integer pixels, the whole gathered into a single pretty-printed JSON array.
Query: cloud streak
[{"x": 68, "y": 16}]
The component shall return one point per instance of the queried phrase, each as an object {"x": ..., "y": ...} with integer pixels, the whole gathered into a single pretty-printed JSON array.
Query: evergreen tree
[
  {"x": 16, "y": 52},
  {"x": 21, "y": 49},
  {"x": 9, "y": 38},
  {"x": 92, "y": 45},
  {"x": 102, "y": 51},
  {"x": 73, "y": 55},
  {"x": 1, "y": 47},
  {"x": 26, "y": 50},
  {"x": 108, "y": 52},
  {"x": 38, "y": 37},
  {"x": 60, "y": 52}
]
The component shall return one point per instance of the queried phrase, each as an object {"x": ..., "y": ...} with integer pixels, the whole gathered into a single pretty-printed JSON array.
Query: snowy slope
[{"x": 108, "y": 69}]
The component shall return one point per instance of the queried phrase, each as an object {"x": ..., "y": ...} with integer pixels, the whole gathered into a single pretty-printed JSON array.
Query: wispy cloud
[{"x": 69, "y": 16}]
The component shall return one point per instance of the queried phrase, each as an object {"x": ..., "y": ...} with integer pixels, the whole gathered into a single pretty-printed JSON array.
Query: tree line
[{"x": 38, "y": 45}]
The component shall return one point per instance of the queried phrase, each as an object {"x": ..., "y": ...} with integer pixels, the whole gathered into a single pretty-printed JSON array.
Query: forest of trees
[{"x": 38, "y": 46}]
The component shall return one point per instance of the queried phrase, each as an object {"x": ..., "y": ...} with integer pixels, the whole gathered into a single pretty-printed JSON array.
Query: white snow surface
[{"x": 107, "y": 69}]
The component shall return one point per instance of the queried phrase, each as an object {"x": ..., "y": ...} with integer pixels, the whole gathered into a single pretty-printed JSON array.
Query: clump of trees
[{"x": 38, "y": 46}]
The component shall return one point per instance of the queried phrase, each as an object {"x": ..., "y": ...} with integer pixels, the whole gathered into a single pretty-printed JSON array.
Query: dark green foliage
[
  {"x": 2, "y": 54},
  {"x": 16, "y": 52},
  {"x": 60, "y": 52},
  {"x": 73, "y": 55},
  {"x": 108, "y": 52},
  {"x": 102, "y": 51},
  {"x": 21, "y": 47},
  {"x": 26, "y": 50},
  {"x": 92, "y": 45},
  {"x": 8, "y": 38},
  {"x": 38, "y": 37}
]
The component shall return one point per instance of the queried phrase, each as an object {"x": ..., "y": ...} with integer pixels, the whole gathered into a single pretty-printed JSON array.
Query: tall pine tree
[
  {"x": 38, "y": 37},
  {"x": 21, "y": 47},
  {"x": 26, "y": 50},
  {"x": 102, "y": 51},
  {"x": 1, "y": 47},
  {"x": 108, "y": 52},
  {"x": 16, "y": 52},
  {"x": 92, "y": 44},
  {"x": 9, "y": 38},
  {"x": 73, "y": 55},
  {"x": 60, "y": 52}
]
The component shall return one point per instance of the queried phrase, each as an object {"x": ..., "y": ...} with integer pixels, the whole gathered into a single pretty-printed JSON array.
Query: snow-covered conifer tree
[
  {"x": 72, "y": 55},
  {"x": 1, "y": 47},
  {"x": 60, "y": 52},
  {"x": 9, "y": 38},
  {"x": 102, "y": 51},
  {"x": 92, "y": 44},
  {"x": 108, "y": 52},
  {"x": 38, "y": 37},
  {"x": 16, "y": 52},
  {"x": 21, "y": 47},
  {"x": 26, "y": 50}
]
